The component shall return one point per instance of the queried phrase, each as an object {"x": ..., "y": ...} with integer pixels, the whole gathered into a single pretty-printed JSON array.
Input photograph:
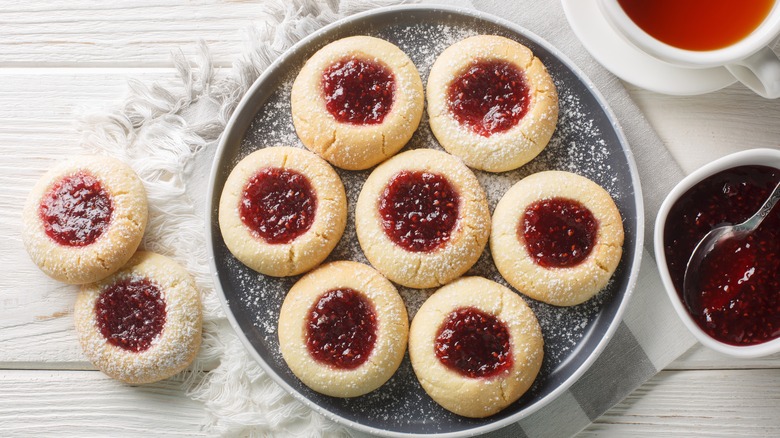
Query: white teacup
[{"x": 750, "y": 60}]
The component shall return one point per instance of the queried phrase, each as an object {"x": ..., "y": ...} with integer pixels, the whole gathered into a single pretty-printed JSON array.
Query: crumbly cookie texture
[
  {"x": 392, "y": 327},
  {"x": 476, "y": 397},
  {"x": 500, "y": 151},
  {"x": 305, "y": 251},
  {"x": 172, "y": 350},
  {"x": 356, "y": 146},
  {"x": 424, "y": 269},
  {"x": 117, "y": 243},
  {"x": 564, "y": 286}
]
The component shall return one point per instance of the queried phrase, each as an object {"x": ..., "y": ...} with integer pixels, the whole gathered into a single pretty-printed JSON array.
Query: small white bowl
[{"x": 763, "y": 157}]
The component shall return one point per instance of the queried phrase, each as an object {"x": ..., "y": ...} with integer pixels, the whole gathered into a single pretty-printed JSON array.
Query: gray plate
[{"x": 587, "y": 141}]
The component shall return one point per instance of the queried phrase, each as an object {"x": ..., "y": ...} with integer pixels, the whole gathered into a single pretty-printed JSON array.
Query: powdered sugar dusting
[
  {"x": 107, "y": 251},
  {"x": 583, "y": 143},
  {"x": 171, "y": 349}
]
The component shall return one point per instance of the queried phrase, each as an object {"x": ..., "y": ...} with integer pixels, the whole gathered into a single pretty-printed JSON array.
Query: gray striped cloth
[{"x": 651, "y": 335}]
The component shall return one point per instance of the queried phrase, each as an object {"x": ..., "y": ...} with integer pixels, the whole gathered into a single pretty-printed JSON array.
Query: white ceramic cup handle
[{"x": 760, "y": 72}]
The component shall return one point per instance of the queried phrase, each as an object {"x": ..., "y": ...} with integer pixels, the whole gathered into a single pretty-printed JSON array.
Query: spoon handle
[{"x": 755, "y": 220}]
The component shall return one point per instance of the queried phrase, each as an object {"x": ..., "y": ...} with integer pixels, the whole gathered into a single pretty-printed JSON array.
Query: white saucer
[{"x": 627, "y": 62}]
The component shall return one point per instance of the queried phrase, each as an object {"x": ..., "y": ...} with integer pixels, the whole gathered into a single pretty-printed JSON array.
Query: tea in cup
[{"x": 706, "y": 33}]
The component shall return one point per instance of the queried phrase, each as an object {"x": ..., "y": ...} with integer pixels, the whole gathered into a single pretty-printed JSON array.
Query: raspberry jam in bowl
[{"x": 738, "y": 311}]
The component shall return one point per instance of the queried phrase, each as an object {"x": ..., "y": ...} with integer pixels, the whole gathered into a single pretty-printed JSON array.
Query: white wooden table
[{"x": 58, "y": 58}]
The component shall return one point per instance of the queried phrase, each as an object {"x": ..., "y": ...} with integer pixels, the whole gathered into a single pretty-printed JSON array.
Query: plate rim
[{"x": 637, "y": 198}]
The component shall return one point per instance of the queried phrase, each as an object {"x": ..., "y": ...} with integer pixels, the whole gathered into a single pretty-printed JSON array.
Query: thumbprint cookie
[
  {"x": 422, "y": 218},
  {"x": 143, "y": 323},
  {"x": 491, "y": 102},
  {"x": 357, "y": 101},
  {"x": 282, "y": 211},
  {"x": 84, "y": 219},
  {"x": 475, "y": 346},
  {"x": 343, "y": 329},
  {"x": 557, "y": 237}
]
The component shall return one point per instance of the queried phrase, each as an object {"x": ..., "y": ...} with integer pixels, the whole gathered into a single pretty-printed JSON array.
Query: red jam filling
[
  {"x": 341, "y": 329},
  {"x": 131, "y": 313},
  {"x": 474, "y": 343},
  {"x": 278, "y": 205},
  {"x": 76, "y": 211},
  {"x": 558, "y": 232},
  {"x": 740, "y": 281},
  {"x": 419, "y": 210},
  {"x": 358, "y": 91},
  {"x": 489, "y": 97}
]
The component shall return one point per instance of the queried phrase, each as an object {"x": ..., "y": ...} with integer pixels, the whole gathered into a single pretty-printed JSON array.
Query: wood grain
[
  {"x": 697, "y": 403},
  {"x": 673, "y": 403},
  {"x": 60, "y": 59},
  {"x": 121, "y": 34},
  {"x": 87, "y": 403},
  {"x": 38, "y": 110},
  {"x": 38, "y": 113}
]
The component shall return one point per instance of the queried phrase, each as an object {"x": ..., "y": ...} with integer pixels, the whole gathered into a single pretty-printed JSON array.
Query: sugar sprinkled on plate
[{"x": 579, "y": 145}]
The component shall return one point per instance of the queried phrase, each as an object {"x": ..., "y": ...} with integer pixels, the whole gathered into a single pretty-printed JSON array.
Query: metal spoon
[{"x": 691, "y": 292}]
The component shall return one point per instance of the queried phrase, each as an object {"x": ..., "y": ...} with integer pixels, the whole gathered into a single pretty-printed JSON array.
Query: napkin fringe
[{"x": 162, "y": 131}]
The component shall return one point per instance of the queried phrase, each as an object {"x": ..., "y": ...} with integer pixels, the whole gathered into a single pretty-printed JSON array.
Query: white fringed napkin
[{"x": 168, "y": 134}]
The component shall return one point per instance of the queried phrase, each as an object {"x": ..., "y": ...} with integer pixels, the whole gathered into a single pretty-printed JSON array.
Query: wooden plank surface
[
  {"x": 61, "y": 58},
  {"x": 38, "y": 110},
  {"x": 87, "y": 403},
  {"x": 697, "y": 403},
  {"x": 123, "y": 33}
]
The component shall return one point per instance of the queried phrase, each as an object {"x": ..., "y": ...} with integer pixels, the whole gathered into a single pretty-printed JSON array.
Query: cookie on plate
[
  {"x": 84, "y": 219},
  {"x": 491, "y": 102},
  {"x": 557, "y": 237},
  {"x": 282, "y": 211},
  {"x": 343, "y": 329},
  {"x": 142, "y": 324},
  {"x": 357, "y": 101},
  {"x": 475, "y": 346},
  {"x": 422, "y": 218}
]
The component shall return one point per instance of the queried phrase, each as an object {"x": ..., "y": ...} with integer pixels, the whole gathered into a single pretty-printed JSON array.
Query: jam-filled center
[
  {"x": 474, "y": 343},
  {"x": 341, "y": 328},
  {"x": 358, "y": 91},
  {"x": 419, "y": 210},
  {"x": 76, "y": 211},
  {"x": 489, "y": 97},
  {"x": 278, "y": 205},
  {"x": 739, "y": 282},
  {"x": 558, "y": 232},
  {"x": 130, "y": 313}
]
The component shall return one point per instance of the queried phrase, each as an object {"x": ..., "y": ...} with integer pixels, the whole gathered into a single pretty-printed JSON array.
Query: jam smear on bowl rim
[
  {"x": 76, "y": 210},
  {"x": 419, "y": 210},
  {"x": 131, "y": 313},
  {"x": 474, "y": 343},
  {"x": 341, "y": 328},
  {"x": 278, "y": 205},
  {"x": 489, "y": 97},
  {"x": 740, "y": 279},
  {"x": 558, "y": 232},
  {"x": 358, "y": 91}
]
